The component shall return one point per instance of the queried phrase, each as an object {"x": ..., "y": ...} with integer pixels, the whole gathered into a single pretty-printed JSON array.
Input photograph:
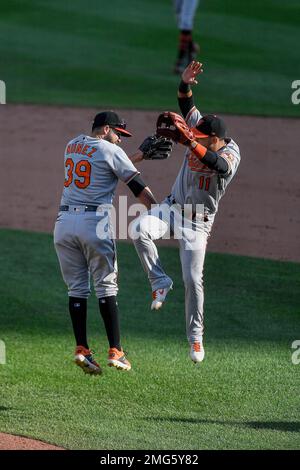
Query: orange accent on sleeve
[
  {"x": 185, "y": 95},
  {"x": 199, "y": 151}
]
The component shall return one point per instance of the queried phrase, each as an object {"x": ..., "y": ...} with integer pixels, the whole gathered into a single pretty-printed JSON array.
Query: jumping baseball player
[
  {"x": 93, "y": 166},
  {"x": 210, "y": 162},
  {"x": 185, "y": 11}
]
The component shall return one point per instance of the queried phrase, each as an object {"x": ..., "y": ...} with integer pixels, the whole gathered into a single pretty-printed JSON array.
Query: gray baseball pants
[
  {"x": 185, "y": 12},
  {"x": 83, "y": 255},
  {"x": 161, "y": 222}
]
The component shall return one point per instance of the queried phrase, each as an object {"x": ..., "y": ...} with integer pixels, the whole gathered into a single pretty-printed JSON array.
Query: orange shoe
[
  {"x": 118, "y": 359},
  {"x": 84, "y": 359}
]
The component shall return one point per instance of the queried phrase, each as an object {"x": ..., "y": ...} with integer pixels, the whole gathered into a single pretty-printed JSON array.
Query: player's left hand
[
  {"x": 191, "y": 72},
  {"x": 156, "y": 148}
]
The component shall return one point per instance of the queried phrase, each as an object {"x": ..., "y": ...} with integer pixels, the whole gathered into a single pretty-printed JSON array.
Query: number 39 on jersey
[{"x": 80, "y": 172}]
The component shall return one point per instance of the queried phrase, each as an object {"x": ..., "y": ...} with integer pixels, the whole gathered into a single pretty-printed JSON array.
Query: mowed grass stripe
[{"x": 64, "y": 53}]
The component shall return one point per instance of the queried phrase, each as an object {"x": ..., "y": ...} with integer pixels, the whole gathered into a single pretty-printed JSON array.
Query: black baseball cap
[
  {"x": 110, "y": 118},
  {"x": 210, "y": 125}
]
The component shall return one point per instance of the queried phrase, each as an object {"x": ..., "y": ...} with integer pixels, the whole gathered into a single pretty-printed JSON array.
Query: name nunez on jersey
[{"x": 81, "y": 149}]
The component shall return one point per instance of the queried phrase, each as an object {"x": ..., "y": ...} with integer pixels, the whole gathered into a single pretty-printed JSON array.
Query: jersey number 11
[{"x": 204, "y": 182}]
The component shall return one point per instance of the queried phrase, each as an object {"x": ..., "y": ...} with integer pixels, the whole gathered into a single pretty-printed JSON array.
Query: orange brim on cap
[
  {"x": 198, "y": 134},
  {"x": 123, "y": 131}
]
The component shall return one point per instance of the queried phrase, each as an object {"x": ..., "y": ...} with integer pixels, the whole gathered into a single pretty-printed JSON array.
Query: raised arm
[{"x": 185, "y": 94}]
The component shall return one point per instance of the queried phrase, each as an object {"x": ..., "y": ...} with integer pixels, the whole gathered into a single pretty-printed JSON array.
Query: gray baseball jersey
[
  {"x": 195, "y": 184},
  {"x": 198, "y": 184},
  {"x": 92, "y": 169}
]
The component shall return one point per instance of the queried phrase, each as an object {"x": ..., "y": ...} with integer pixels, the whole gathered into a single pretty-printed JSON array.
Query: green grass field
[
  {"x": 80, "y": 53},
  {"x": 245, "y": 395}
]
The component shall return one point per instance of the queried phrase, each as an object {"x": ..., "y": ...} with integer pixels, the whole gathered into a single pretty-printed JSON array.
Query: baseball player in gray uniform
[
  {"x": 185, "y": 11},
  {"x": 210, "y": 162},
  {"x": 93, "y": 166}
]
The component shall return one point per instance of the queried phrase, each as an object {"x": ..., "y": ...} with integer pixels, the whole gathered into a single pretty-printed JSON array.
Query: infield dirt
[
  {"x": 10, "y": 442},
  {"x": 258, "y": 216}
]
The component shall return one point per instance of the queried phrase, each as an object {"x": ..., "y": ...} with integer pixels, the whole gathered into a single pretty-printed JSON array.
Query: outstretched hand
[{"x": 190, "y": 73}]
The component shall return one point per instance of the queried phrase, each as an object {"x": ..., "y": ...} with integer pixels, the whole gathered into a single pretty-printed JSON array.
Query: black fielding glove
[{"x": 156, "y": 148}]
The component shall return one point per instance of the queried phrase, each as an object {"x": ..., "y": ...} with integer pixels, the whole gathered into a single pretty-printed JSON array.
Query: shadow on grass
[
  {"x": 5, "y": 408},
  {"x": 285, "y": 426}
]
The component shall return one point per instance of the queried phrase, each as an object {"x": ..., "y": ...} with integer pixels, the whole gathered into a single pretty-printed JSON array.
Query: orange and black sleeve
[{"x": 211, "y": 159}]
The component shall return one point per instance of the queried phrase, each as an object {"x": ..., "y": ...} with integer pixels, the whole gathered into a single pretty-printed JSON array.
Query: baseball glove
[
  {"x": 173, "y": 126},
  {"x": 156, "y": 148}
]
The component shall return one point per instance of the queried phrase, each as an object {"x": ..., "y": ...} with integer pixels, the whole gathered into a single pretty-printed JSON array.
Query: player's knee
[
  {"x": 107, "y": 291},
  {"x": 139, "y": 228},
  {"x": 106, "y": 285},
  {"x": 193, "y": 280},
  {"x": 134, "y": 229}
]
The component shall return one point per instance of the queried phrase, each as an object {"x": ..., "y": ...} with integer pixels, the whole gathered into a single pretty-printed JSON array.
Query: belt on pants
[{"x": 85, "y": 208}]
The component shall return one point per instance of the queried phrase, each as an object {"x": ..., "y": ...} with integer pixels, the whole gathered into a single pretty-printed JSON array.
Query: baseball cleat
[
  {"x": 197, "y": 352},
  {"x": 159, "y": 296},
  {"x": 84, "y": 359},
  {"x": 118, "y": 359}
]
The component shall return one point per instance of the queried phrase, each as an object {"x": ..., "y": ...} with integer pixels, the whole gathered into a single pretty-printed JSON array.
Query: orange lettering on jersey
[
  {"x": 93, "y": 150},
  {"x": 204, "y": 179},
  {"x": 78, "y": 148},
  {"x": 83, "y": 170},
  {"x": 69, "y": 164},
  {"x": 72, "y": 150},
  {"x": 84, "y": 150},
  {"x": 195, "y": 164},
  {"x": 68, "y": 149}
]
